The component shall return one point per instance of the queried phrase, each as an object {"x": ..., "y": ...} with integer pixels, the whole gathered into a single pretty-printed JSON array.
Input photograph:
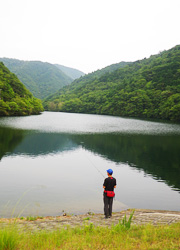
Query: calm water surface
[{"x": 57, "y": 162}]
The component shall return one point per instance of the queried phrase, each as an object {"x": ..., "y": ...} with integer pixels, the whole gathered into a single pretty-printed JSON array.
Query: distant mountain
[
  {"x": 72, "y": 73},
  {"x": 42, "y": 79},
  {"x": 148, "y": 88},
  {"x": 15, "y": 99},
  {"x": 100, "y": 72}
]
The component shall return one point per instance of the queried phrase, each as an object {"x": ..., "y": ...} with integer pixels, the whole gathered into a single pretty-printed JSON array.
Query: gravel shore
[{"x": 140, "y": 217}]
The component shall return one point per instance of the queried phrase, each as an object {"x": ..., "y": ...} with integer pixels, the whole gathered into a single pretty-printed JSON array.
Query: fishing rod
[
  {"x": 105, "y": 177},
  {"x": 95, "y": 167}
]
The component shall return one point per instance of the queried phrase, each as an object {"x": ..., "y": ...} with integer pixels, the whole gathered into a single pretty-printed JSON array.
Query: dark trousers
[{"x": 108, "y": 202}]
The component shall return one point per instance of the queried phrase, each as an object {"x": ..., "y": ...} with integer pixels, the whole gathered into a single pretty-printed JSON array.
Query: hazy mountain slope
[
  {"x": 100, "y": 72},
  {"x": 110, "y": 68},
  {"x": 149, "y": 88},
  {"x": 72, "y": 73},
  {"x": 42, "y": 79},
  {"x": 15, "y": 99}
]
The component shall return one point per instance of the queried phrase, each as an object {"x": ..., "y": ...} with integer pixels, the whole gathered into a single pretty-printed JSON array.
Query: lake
[{"x": 56, "y": 162}]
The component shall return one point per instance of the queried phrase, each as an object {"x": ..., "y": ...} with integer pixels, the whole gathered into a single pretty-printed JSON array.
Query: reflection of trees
[
  {"x": 156, "y": 155},
  {"x": 9, "y": 139},
  {"x": 32, "y": 143},
  {"x": 44, "y": 143}
]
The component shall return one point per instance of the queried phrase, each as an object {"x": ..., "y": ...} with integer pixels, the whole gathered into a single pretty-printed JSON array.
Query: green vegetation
[
  {"x": 8, "y": 238},
  {"x": 15, "y": 99},
  {"x": 90, "y": 237},
  {"x": 87, "y": 218},
  {"x": 42, "y": 79},
  {"x": 125, "y": 224},
  {"x": 149, "y": 88},
  {"x": 33, "y": 218},
  {"x": 72, "y": 73}
]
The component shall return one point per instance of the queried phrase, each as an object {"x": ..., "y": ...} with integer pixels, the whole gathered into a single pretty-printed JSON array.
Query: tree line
[{"x": 148, "y": 88}]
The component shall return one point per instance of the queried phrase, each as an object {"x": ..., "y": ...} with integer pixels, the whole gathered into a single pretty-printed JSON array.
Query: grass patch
[
  {"x": 8, "y": 238},
  {"x": 33, "y": 218},
  {"x": 87, "y": 218},
  {"x": 91, "y": 237},
  {"x": 124, "y": 223}
]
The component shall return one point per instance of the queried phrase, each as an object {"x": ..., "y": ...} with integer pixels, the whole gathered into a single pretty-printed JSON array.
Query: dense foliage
[
  {"x": 42, "y": 79},
  {"x": 149, "y": 88},
  {"x": 15, "y": 99}
]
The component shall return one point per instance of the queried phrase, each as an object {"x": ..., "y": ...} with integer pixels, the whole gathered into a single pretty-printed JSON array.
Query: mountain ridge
[
  {"x": 147, "y": 88},
  {"x": 41, "y": 78}
]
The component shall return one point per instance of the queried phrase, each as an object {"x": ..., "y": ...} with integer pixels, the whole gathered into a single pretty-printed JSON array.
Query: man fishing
[{"x": 109, "y": 185}]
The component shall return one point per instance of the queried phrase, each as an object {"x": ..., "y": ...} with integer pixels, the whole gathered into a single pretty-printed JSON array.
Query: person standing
[{"x": 109, "y": 185}]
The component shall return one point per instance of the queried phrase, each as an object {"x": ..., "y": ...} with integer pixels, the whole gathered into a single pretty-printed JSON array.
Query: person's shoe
[{"x": 106, "y": 217}]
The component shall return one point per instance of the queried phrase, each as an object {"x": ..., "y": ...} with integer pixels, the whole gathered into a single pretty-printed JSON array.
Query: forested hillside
[
  {"x": 149, "y": 88},
  {"x": 15, "y": 99},
  {"x": 42, "y": 79},
  {"x": 72, "y": 73}
]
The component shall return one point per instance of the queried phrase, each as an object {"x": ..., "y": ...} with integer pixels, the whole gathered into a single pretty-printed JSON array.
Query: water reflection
[
  {"x": 156, "y": 155},
  {"x": 9, "y": 139},
  {"x": 35, "y": 144}
]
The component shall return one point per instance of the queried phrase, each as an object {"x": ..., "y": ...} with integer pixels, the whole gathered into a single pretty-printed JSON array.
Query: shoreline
[{"x": 140, "y": 217}]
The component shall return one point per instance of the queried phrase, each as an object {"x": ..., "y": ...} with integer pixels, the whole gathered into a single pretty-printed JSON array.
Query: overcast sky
[{"x": 87, "y": 34}]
